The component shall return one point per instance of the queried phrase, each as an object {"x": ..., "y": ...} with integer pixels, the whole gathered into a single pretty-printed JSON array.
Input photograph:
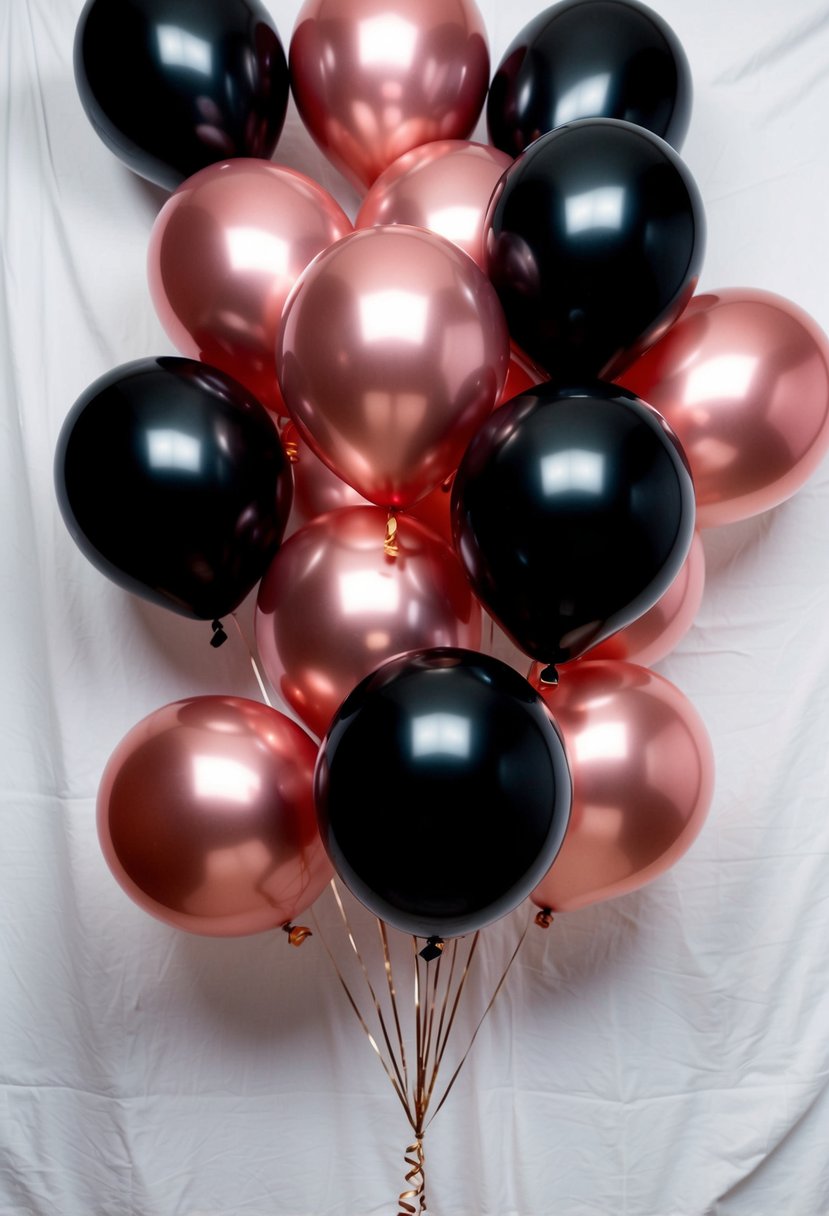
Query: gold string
[
  {"x": 253, "y": 662},
  {"x": 501, "y": 983},
  {"x": 393, "y": 997},
  {"x": 377, "y": 1008},
  {"x": 414, "y": 1157}
]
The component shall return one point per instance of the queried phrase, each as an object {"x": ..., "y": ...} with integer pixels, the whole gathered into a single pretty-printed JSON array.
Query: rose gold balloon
[
  {"x": 225, "y": 251},
  {"x": 206, "y": 817},
  {"x": 444, "y": 186},
  {"x": 333, "y": 607},
  {"x": 658, "y": 632},
  {"x": 392, "y": 351},
  {"x": 374, "y": 78},
  {"x": 318, "y": 489},
  {"x": 743, "y": 379},
  {"x": 643, "y": 778}
]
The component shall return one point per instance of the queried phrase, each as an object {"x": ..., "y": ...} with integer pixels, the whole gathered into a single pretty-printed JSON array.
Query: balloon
[
  {"x": 743, "y": 378},
  {"x": 375, "y": 78},
  {"x": 172, "y": 87},
  {"x": 594, "y": 242},
  {"x": 392, "y": 351},
  {"x": 333, "y": 606},
  {"x": 171, "y": 481},
  {"x": 590, "y": 59},
  {"x": 655, "y": 634},
  {"x": 443, "y": 791},
  {"x": 643, "y": 779},
  {"x": 444, "y": 186},
  {"x": 224, "y": 253},
  {"x": 206, "y": 817},
  {"x": 318, "y": 489},
  {"x": 573, "y": 511}
]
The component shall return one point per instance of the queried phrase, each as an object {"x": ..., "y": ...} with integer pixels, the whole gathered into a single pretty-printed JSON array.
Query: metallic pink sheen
[
  {"x": 444, "y": 186},
  {"x": 658, "y": 632},
  {"x": 643, "y": 779},
  {"x": 318, "y": 489},
  {"x": 206, "y": 817},
  {"x": 374, "y": 78},
  {"x": 225, "y": 251},
  {"x": 333, "y": 607},
  {"x": 743, "y": 379},
  {"x": 392, "y": 351}
]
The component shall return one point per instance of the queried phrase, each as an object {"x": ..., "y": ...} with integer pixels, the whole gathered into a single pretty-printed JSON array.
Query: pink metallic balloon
[
  {"x": 643, "y": 779},
  {"x": 206, "y": 817},
  {"x": 225, "y": 251},
  {"x": 743, "y": 379},
  {"x": 657, "y": 633},
  {"x": 392, "y": 351},
  {"x": 444, "y": 186},
  {"x": 333, "y": 607},
  {"x": 374, "y": 78}
]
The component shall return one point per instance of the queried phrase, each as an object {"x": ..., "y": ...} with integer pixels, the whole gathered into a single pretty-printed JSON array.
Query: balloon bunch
[{"x": 496, "y": 388}]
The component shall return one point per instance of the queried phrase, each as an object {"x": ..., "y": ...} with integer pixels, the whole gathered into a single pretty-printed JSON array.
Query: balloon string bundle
[{"x": 437, "y": 991}]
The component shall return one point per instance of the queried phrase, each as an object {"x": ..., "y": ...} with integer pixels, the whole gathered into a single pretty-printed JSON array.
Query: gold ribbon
[{"x": 417, "y": 1176}]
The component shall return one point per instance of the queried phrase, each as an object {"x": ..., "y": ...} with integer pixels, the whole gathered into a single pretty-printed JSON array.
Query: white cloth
[{"x": 663, "y": 1055}]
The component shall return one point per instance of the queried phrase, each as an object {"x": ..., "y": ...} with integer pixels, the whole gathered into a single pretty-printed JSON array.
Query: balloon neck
[
  {"x": 542, "y": 675},
  {"x": 219, "y": 636},
  {"x": 544, "y": 918},
  {"x": 433, "y": 949},
  {"x": 296, "y": 933},
  {"x": 390, "y": 540}
]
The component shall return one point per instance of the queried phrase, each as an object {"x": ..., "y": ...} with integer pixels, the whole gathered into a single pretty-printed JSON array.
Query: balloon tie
[
  {"x": 549, "y": 676},
  {"x": 291, "y": 449},
  {"x": 296, "y": 933},
  {"x": 433, "y": 949},
  {"x": 219, "y": 636},
  {"x": 390, "y": 547},
  {"x": 413, "y": 1200},
  {"x": 544, "y": 918}
]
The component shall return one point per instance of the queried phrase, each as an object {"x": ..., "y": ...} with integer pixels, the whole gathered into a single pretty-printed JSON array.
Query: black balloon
[
  {"x": 573, "y": 510},
  {"x": 594, "y": 242},
  {"x": 171, "y": 87},
  {"x": 590, "y": 59},
  {"x": 171, "y": 479},
  {"x": 443, "y": 791}
]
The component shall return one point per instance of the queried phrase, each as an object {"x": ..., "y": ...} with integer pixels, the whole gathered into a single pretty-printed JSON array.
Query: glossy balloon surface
[
  {"x": 224, "y": 253},
  {"x": 443, "y": 791},
  {"x": 443, "y": 186},
  {"x": 392, "y": 350},
  {"x": 333, "y": 606},
  {"x": 643, "y": 779},
  {"x": 206, "y": 817},
  {"x": 171, "y": 479},
  {"x": 171, "y": 87},
  {"x": 743, "y": 379},
  {"x": 658, "y": 631},
  {"x": 594, "y": 241},
  {"x": 573, "y": 513},
  {"x": 374, "y": 78},
  {"x": 590, "y": 59}
]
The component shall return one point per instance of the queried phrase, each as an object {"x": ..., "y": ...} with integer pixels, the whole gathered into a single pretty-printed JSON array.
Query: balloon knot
[
  {"x": 291, "y": 448},
  {"x": 548, "y": 675},
  {"x": 432, "y": 949},
  {"x": 296, "y": 933},
  {"x": 219, "y": 636},
  {"x": 544, "y": 918},
  {"x": 390, "y": 540}
]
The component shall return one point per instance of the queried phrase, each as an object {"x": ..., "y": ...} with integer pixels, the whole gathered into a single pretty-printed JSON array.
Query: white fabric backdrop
[{"x": 664, "y": 1055}]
